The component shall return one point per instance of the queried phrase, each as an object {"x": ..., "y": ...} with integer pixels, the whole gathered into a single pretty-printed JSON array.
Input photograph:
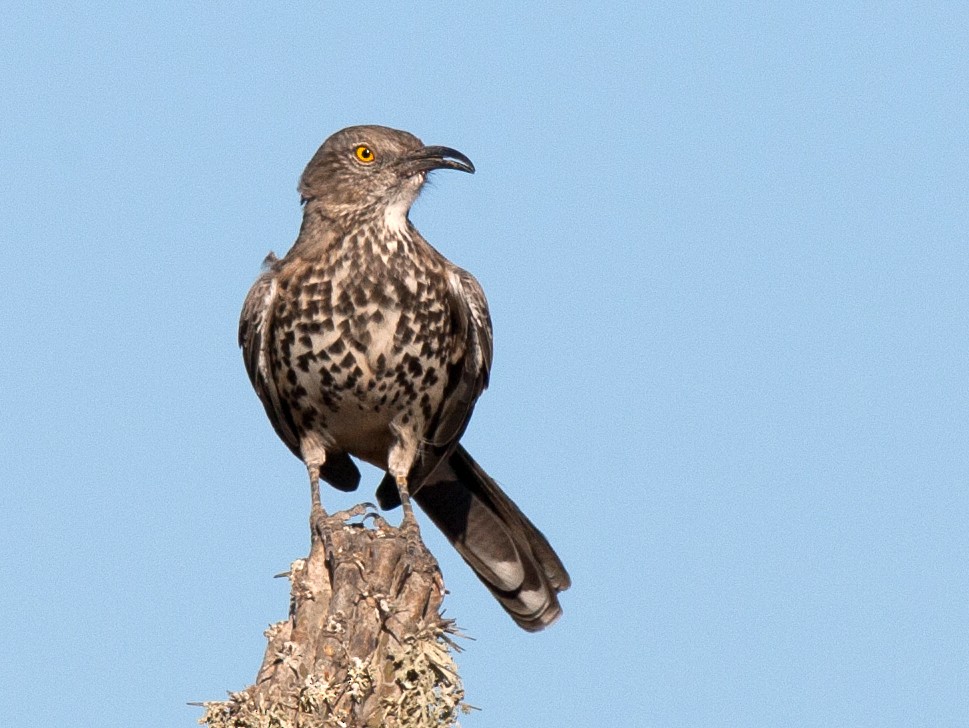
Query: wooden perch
[{"x": 364, "y": 645}]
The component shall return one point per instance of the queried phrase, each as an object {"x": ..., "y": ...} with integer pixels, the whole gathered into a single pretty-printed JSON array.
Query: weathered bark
[{"x": 364, "y": 645}]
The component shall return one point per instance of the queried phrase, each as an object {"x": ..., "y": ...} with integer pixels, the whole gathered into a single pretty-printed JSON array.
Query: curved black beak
[{"x": 428, "y": 158}]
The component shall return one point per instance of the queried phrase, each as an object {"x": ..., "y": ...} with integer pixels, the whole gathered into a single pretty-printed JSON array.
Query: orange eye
[{"x": 364, "y": 154}]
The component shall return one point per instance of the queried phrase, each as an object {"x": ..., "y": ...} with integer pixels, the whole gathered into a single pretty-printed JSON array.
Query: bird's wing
[
  {"x": 254, "y": 325},
  {"x": 469, "y": 371}
]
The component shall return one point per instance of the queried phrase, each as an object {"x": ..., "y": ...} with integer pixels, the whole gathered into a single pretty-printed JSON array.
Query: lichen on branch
[{"x": 364, "y": 645}]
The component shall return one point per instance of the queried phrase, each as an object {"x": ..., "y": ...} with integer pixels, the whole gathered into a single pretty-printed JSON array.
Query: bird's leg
[
  {"x": 314, "y": 473},
  {"x": 408, "y": 523},
  {"x": 319, "y": 521},
  {"x": 400, "y": 461},
  {"x": 313, "y": 453},
  {"x": 416, "y": 553}
]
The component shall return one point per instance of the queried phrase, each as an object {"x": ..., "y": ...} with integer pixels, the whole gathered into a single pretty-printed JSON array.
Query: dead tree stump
[{"x": 364, "y": 645}]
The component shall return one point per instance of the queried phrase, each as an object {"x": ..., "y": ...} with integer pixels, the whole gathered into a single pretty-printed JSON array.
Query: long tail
[{"x": 506, "y": 551}]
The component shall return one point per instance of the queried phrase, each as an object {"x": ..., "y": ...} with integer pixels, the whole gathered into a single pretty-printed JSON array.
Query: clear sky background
[{"x": 725, "y": 247}]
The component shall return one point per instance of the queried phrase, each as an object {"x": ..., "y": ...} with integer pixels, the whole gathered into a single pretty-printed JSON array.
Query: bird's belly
[{"x": 359, "y": 380}]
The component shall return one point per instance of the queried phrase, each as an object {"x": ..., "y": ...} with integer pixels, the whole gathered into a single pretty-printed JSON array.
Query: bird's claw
[{"x": 361, "y": 509}]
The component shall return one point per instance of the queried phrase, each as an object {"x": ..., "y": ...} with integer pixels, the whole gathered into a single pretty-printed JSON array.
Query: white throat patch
[{"x": 395, "y": 214}]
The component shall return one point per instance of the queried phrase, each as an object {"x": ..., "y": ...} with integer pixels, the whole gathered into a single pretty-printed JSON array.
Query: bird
[{"x": 365, "y": 342}]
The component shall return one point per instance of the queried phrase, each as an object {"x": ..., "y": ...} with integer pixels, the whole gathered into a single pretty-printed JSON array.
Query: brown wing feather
[
  {"x": 469, "y": 376},
  {"x": 254, "y": 325}
]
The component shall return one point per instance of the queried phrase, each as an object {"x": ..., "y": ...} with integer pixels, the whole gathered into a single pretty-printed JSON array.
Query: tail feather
[{"x": 506, "y": 551}]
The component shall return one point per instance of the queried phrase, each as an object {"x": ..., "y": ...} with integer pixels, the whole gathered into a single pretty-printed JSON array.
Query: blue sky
[{"x": 726, "y": 254}]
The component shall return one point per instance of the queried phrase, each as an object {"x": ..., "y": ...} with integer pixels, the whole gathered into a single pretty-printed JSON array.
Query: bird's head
[{"x": 373, "y": 169}]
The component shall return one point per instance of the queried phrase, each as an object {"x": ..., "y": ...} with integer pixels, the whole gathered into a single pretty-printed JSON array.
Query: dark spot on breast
[{"x": 344, "y": 304}]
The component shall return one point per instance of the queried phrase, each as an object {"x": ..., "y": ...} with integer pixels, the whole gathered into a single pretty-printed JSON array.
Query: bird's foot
[
  {"x": 321, "y": 525},
  {"x": 415, "y": 551},
  {"x": 361, "y": 509},
  {"x": 409, "y": 528}
]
